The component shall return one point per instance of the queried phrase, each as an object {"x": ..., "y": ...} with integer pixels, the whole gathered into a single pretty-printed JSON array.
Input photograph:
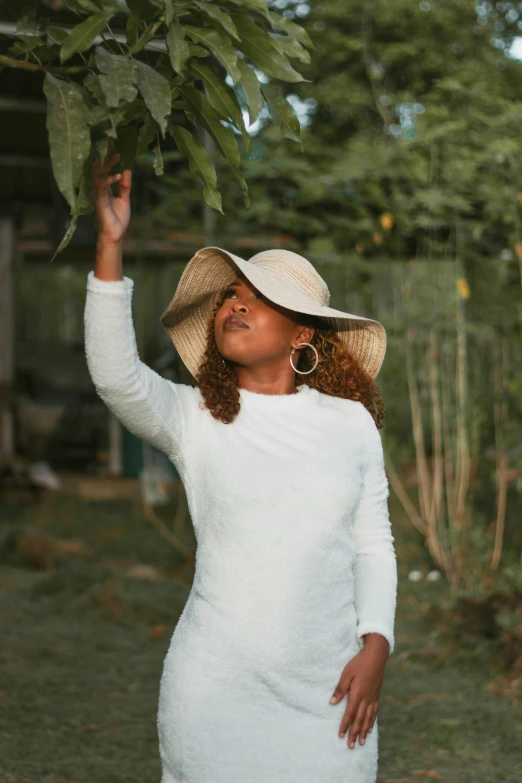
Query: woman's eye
[{"x": 228, "y": 292}]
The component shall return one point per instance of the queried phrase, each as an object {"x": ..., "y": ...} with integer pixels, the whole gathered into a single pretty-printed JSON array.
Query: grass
[{"x": 83, "y": 647}]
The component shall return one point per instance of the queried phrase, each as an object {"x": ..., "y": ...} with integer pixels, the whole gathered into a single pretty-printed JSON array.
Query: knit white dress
[{"x": 295, "y": 563}]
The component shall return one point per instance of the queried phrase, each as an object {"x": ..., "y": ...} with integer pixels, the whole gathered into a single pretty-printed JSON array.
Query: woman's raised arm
[{"x": 147, "y": 404}]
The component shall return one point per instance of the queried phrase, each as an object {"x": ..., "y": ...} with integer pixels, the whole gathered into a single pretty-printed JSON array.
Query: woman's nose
[{"x": 238, "y": 305}]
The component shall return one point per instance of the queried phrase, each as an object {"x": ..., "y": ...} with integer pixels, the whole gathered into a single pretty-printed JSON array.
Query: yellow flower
[
  {"x": 463, "y": 288},
  {"x": 387, "y": 221}
]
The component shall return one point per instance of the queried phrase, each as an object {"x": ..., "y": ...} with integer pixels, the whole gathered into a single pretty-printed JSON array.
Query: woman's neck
[{"x": 265, "y": 382}]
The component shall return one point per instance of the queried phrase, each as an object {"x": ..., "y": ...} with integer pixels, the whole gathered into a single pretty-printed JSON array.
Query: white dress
[{"x": 295, "y": 562}]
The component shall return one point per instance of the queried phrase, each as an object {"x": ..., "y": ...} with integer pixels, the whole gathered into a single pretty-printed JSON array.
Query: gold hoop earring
[{"x": 306, "y": 372}]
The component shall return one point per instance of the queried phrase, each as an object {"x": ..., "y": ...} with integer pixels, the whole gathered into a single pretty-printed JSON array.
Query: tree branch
[{"x": 27, "y": 66}]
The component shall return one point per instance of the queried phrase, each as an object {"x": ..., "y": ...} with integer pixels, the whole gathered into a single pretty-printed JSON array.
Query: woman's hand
[
  {"x": 112, "y": 212},
  {"x": 363, "y": 676}
]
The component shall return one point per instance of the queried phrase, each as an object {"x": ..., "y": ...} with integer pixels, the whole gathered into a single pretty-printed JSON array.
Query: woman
[{"x": 275, "y": 668}]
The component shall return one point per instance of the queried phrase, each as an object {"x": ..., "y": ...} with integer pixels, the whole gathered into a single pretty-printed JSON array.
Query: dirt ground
[{"x": 90, "y": 593}]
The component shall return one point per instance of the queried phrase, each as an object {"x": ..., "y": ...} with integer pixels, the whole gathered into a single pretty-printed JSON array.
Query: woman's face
[{"x": 252, "y": 331}]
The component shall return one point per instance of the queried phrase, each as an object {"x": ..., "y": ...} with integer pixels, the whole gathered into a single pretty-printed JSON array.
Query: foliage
[
  {"x": 411, "y": 117},
  {"x": 412, "y": 125},
  {"x": 396, "y": 125},
  {"x": 141, "y": 70}
]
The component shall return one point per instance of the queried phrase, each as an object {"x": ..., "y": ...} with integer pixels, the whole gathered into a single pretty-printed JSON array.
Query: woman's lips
[{"x": 234, "y": 322}]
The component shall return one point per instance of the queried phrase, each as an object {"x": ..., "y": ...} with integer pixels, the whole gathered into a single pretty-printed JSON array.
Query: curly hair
[{"x": 337, "y": 373}]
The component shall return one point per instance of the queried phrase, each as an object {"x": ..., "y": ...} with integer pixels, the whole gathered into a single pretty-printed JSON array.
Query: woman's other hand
[{"x": 362, "y": 676}]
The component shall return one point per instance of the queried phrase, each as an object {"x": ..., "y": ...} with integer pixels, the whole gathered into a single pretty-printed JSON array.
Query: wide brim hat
[{"x": 282, "y": 276}]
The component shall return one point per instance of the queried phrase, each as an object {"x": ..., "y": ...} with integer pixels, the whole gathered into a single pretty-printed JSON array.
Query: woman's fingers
[
  {"x": 100, "y": 169},
  {"x": 125, "y": 180},
  {"x": 102, "y": 181},
  {"x": 104, "y": 169},
  {"x": 349, "y": 713},
  {"x": 125, "y": 184},
  {"x": 343, "y": 685},
  {"x": 366, "y": 724},
  {"x": 356, "y": 724},
  {"x": 109, "y": 162},
  {"x": 109, "y": 149},
  {"x": 358, "y": 718}
]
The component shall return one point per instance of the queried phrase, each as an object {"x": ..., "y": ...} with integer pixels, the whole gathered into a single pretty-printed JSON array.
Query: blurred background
[{"x": 405, "y": 191}]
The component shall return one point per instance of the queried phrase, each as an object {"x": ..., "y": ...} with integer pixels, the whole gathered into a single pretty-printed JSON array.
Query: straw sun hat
[{"x": 285, "y": 278}]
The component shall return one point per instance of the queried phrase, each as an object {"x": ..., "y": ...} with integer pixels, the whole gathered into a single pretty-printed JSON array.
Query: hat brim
[{"x": 211, "y": 269}]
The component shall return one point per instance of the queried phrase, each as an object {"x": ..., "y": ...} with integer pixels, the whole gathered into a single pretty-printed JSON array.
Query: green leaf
[
  {"x": 127, "y": 145},
  {"x": 177, "y": 45},
  {"x": 252, "y": 5},
  {"x": 98, "y": 114},
  {"x": 199, "y": 164},
  {"x": 197, "y": 51},
  {"x": 164, "y": 66},
  {"x": 210, "y": 120},
  {"x": 257, "y": 45},
  {"x": 57, "y": 34},
  {"x": 25, "y": 43},
  {"x": 259, "y": 5},
  {"x": 179, "y": 79},
  {"x": 119, "y": 117},
  {"x": 143, "y": 10},
  {"x": 244, "y": 188},
  {"x": 285, "y": 115},
  {"x": 252, "y": 90},
  {"x": 224, "y": 19},
  {"x": 118, "y": 77},
  {"x": 84, "y": 203},
  {"x": 132, "y": 29},
  {"x": 158, "y": 160},
  {"x": 222, "y": 97},
  {"x": 31, "y": 41},
  {"x": 89, "y": 6},
  {"x": 146, "y": 134},
  {"x": 219, "y": 45},
  {"x": 82, "y": 36},
  {"x": 92, "y": 83},
  {"x": 129, "y": 111},
  {"x": 169, "y": 12},
  {"x": 290, "y": 48},
  {"x": 213, "y": 198},
  {"x": 156, "y": 93},
  {"x": 67, "y": 236},
  {"x": 102, "y": 146},
  {"x": 69, "y": 135},
  {"x": 280, "y": 22}
]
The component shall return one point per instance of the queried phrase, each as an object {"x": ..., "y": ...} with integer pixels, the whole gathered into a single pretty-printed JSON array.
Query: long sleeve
[
  {"x": 375, "y": 567},
  {"x": 147, "y": 404}
]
